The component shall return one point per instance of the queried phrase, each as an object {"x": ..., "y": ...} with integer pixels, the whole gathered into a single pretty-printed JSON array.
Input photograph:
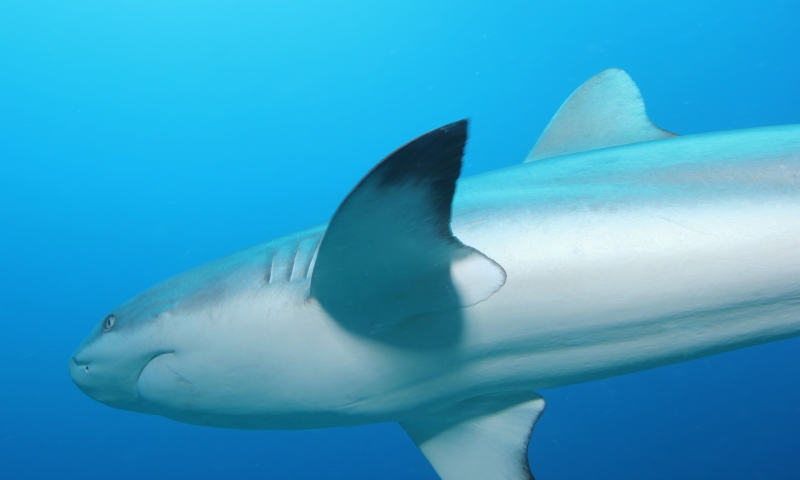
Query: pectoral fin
[
  {"x": 389, "y": 252},
  {"x": 482, "y": 438}
]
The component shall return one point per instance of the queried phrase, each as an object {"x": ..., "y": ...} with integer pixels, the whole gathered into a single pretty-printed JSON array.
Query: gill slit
[
  {"x": 294, "y": 261},
  {"x": 272, "y": 266},
  {"x": 314, "y": 256}
]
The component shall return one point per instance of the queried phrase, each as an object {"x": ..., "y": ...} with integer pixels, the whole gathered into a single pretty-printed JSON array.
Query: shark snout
[
  {"x": 74, "y": 367},
  {"x": 110, "y": 378},
  {"x": 90, "y": 380},
  {"x": 102, "y": 384}
]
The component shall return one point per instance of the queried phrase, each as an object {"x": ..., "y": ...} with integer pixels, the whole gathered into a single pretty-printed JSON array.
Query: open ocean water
[{"x": 139, "y": 139}]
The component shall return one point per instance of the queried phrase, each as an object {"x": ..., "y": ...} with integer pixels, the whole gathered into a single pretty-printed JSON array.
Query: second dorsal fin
[{"x": 606, "y": 111}]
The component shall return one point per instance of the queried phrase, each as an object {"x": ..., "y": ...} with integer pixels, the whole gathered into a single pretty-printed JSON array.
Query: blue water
[{"x": 141, "y": 138}]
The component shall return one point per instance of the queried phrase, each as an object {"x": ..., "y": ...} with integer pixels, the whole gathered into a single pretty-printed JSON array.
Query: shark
[{"x": 445, "y": 304}]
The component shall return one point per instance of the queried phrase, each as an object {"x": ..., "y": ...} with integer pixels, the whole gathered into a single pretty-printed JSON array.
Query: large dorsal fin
[
  {"x": 606, "y": 111},
  {"x": 389, "y": 252},
  {"x": 482, "y": 438}
]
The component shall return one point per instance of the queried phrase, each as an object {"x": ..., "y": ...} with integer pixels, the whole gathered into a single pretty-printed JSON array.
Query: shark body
[{"x": 616, "y": 247}]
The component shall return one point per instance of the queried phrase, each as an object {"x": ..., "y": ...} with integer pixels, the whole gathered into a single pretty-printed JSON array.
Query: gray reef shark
[{"x": 443, "y": 304}]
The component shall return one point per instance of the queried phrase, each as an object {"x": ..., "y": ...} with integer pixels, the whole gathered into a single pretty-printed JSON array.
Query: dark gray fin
[
  {"x": 482, "y": 438},
  {"x": 606, "y": 111},
  {"x": 389, "y": 252}
]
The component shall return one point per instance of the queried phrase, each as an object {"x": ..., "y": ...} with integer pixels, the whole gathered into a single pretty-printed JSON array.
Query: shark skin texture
[{"x": 444, "y": 304}]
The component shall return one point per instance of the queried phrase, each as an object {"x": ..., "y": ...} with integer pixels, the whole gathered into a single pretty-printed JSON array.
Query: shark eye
[{"x": 109, "y": 322}]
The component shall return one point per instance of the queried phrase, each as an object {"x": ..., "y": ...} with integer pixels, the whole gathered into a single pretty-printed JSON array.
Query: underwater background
[{"x": 139, "y": 139}]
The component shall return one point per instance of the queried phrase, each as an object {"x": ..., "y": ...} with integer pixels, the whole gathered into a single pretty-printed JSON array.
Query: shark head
[
  {"x": 107, "y": 365},
  {"x": 169, "y": 349}
]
